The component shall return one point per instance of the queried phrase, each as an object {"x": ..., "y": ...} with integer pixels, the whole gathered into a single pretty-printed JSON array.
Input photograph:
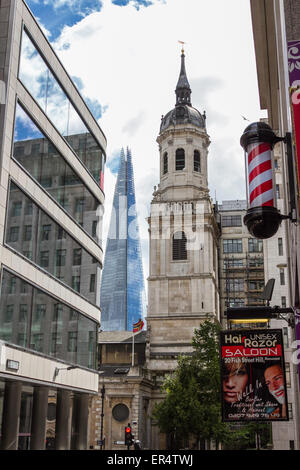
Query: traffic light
[{"x": 128, "y": 436}]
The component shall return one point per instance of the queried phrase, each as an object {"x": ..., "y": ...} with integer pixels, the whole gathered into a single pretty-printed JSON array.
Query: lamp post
[
  {"x": 262, "y": 218},
  {"x": 102, "y": 415}
]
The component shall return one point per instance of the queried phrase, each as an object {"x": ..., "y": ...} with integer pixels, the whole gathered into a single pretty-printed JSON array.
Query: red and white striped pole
[
  {"x": 262, "y": 218},
  {"x": 260, "y": 177}
]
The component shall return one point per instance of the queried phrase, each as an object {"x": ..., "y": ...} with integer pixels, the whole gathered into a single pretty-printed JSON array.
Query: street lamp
[
  {"x": 57, "y": 369},
  {"x": 262, "y": 218},
  {"x": 102, "y": 415}
]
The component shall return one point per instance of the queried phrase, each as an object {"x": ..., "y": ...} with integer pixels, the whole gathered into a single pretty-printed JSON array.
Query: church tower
[{"x": 183, "y": 277}]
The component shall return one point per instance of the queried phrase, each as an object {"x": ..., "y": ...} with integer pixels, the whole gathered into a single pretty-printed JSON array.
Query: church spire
[{"x": 183, "y": 90}]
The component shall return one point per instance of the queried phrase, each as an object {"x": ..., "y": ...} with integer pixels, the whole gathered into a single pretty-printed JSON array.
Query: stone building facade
[{"x": 183, "y": 286}]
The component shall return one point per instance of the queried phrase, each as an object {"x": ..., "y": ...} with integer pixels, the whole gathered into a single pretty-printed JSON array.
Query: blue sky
[
  {"x": 124, "y": 57},
  {"x": 56, "y": 14}
]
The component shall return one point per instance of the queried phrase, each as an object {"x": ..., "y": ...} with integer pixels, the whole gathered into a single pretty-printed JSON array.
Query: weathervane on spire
[{"x": 182, "y": 42}]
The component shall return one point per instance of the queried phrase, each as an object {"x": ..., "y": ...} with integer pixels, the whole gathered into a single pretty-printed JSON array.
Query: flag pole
[{"x": 132, "y": 361}]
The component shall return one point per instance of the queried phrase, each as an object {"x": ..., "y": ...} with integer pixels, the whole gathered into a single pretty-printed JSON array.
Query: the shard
[{"x": 122, "y": 296}]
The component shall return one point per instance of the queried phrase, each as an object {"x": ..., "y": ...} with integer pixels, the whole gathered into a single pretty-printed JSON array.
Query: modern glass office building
[
  {"x": 122, "y": 288},
  {"x": 51, "y": 204}
]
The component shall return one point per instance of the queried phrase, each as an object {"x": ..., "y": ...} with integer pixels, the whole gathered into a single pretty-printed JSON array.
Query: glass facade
[
  {"x": 33, "y": 319},
  {"x": 37, "y": 77},
  {"x": 37, "y": 237},
  {"x": 122, "y": 288},
  {"x": 44, "y": 163}
]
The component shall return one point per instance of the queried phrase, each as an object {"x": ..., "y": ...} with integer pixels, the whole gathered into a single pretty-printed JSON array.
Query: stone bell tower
[{"x": 183, "y": 277}]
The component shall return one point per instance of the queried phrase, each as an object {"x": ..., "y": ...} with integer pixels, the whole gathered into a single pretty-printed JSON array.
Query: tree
[{"x": 192, "y": 404}]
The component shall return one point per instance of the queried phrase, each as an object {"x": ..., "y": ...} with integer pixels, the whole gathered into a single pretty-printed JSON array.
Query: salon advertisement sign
[{"x": 253, "y": 375}]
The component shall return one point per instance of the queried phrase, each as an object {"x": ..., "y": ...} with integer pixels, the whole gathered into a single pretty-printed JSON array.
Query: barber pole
[
  {"x": 260, "y": 175},
  {"x": 262, "y": 217}
]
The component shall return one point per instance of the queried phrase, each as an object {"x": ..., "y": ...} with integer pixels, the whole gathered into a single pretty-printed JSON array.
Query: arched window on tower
[
  {"x": 197, "y": 166},
  {"x": 180, "y": 159},
  {"x": 165, "y": 163},
  {"x": 179, "y": 246}
]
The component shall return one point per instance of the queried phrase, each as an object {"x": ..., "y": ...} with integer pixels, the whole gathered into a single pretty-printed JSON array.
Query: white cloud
[{"x": 129, "y": 60}]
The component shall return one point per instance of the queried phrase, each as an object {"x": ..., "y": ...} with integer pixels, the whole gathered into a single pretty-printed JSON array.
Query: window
[
  {"x": 233, "y": 245},
  {"x": 255, "y": 245},
  {"x": 56, "y": 339},
  {"x": 37, "y": 342},
  {"x": 53, "y": 248},
  {"x": 23, "y": 312},
  {"x": 73, "y": 316},
  {"x": 277, "y": 191},
  {"x": 179, "y": 159},
  {"x": 12, "y": 285},
  {"x": 234, "y": 285},
  {"x": 46, "y": 229},
  {"x": 197, "y": 166},
  {"x": 42, "y": 84},
  {"x": 72, "y": 341},
  {"x": 76, "y": 256},
  {"x": 79, "y": 205},
  {"x": 24, "y": 287},
  {"x": 61, "y": 257},
  {"x": 31, "y": 320},
  {"x": 233, "y": 263},
  {"x": 282, "y": 277},
  {"x": 256, "y": 262},
  {"x": 61, "y": 234},
  {"x": 76, "y": 283},
  {"x": 40, "y": 312},
  {"x": 231, "y": 220},
  {"x": 8, "y": 315},
  {"x": 235, "y": 302},
  {"x": 165, "y": 163},
  {"x": 94, "y": 228},
  {"x": 58, "y": 312},
  {"x": 44, "y": 259},
  {"x": 256, "y": 285},
  {"x": 27, "y": 232},
  {"x": 28, "y": 208},
  {"x": 13, "y": 234},
  {"x": 92, "y": 282},
  {"x": 17, "y": 209},
  {"x": 283, "y": 302},
  {"x": 179, "y": 246},
  {"x": 280, "y": 247}
]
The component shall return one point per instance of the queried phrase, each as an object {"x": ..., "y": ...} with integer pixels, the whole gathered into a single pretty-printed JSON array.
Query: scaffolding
[{"x": 243, "y": 280}]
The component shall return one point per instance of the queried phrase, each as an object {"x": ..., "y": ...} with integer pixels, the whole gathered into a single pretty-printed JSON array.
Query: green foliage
[{"x": 192, "y": 403}]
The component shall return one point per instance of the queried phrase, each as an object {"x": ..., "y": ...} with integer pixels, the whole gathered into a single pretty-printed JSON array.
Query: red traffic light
[{"x": 127, "y": 429}]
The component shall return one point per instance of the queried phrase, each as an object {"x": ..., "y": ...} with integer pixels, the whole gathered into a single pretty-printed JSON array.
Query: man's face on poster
[{"x": 275, "y": 383}]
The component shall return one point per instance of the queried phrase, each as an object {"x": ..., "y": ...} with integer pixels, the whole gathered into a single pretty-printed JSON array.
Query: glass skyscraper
[{"x": 122, "y": 288}]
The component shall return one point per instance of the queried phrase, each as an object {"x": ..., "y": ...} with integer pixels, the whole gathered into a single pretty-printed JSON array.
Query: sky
[{"x": 124, "y": 57}]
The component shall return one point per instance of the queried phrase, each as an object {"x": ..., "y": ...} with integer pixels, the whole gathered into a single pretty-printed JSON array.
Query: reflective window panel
[
  {"x": 45, "y": 164},
  {"x": 41, "y": 83},
  {"x": 35, "y": 320},
  {"x": 45, "y": 243}
]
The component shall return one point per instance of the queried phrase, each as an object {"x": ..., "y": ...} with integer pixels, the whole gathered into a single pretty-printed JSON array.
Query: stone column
[
  {"x": 81, "y": 414},
  {"x": 62, "y": 428},
  {"x": 11, "y": 415},
  {"x": 39, "y": 417}
]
